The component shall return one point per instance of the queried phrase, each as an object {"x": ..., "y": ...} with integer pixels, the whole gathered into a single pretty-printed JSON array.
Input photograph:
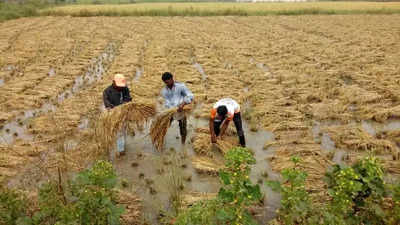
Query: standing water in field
[{"x": 164, "y": 178}]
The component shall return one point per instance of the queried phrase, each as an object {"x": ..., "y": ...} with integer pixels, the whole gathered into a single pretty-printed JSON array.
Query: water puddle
[
  {"x": 138, "y": 74},
  {"x": 52, "y": 72},
  {"x": 338, "y": 157},
  {"x": 84, "y": 124},
  {"x": 259, "y": 65},
  {"x": 201, "y": 71},
  {"x": 12, "y": 131},
  {"x": 94, "y": 72},
  {"x": 156, "y": 176},
  {"x": 373, "y": 127},
  {"x": 368, "y": 127},
  {"x": 327, "y": 144},
  {"x": 17, "y": 128},
  {"x": 1, "y": 82}
]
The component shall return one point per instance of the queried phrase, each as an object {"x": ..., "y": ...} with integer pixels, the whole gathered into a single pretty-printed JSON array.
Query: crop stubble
[{"x": 288, "y": 71}]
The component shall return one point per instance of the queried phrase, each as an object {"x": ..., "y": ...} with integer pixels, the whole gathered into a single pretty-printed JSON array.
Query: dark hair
[
  {"x": 222, "y": 110},
  {"x": 166, "y": 76}
]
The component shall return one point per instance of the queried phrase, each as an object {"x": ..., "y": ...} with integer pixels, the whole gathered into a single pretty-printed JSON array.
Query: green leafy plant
[
  {"x": 94, "y": 190},
  {"x": 393, "y": 217},
  {"x": 238, "y": 192},
  {"x": 87, "y": 200},
  {"x": 12, "y": 206},
  {"x": 296, "y": 202},
  {"x": 357, "y": 196},
  {"x": 235, "y": 196},
  {"x": 357, "y": 190}
]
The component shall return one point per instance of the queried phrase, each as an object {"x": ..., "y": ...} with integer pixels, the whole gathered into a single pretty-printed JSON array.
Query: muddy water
[
  {"x": 150, "y": 173},
  {"x": 95, "y": 71},
  {"x": 259, "y": 65},
  {"x": 138, "y": 74},
  {"x": 327, "y": 144},
  {"x": 369, "y": 126}
]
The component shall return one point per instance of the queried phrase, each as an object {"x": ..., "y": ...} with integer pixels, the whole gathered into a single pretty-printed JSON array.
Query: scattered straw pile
[
  {"x": 133, "y": 115},
  {"x": 193, "y": 197},
  {"x": 356, "y": 139},
  {"x": 202, "y": 142},
  {"x": 206, "y": 165},
  {"x": 160, "y": 125},
  {"x": 312, "y": 161},
  {"x": 132, "y": 205}
]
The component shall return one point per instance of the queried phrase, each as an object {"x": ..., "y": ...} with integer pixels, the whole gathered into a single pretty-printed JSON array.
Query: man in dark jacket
[{"x": 116, "y": 94}]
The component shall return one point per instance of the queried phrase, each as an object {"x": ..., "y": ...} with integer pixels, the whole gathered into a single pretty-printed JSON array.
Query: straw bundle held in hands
[
  {"x": 160, "y": 125},
  {"x": 132, "y": 115}
]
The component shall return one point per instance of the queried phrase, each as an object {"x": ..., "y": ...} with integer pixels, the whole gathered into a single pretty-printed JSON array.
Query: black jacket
[{"x": 112, "y": 97}]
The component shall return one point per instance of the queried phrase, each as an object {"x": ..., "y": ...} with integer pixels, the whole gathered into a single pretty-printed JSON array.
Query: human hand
[
  {"x": 180, "y": 107},
  {"x": 213, "y": 139}
]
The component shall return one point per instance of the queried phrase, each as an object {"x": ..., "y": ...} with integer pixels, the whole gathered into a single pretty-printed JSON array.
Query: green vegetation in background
[
  {"x": 88, "y": 199},
  {"x": 225, "y": 9},
  {"x": 105, "y": 2},
  {"x": 13, "y": 10},
  {"x": 358, "y": 195},
  {"x": 235, "y": 196}
]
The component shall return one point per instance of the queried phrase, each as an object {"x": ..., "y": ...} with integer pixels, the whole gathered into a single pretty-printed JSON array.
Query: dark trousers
[
  {"x": 182, "y": 126},
  {"x": 237, "y": 120}
]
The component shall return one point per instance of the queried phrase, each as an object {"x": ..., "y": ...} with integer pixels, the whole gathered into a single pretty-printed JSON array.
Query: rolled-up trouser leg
[
  {"x": 237, "y": 119},
  {"x": 183, "y": 128},
  {"x": 121, "y": 140}
]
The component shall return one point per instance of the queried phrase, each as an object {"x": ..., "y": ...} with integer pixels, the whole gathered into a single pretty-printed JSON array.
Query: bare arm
[
  {"x": 224, "y": 127},
  {"x": 213, "y": 136}
]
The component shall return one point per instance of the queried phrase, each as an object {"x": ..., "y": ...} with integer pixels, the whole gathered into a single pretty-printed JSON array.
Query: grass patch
[
  {"x": 10, "y": 11},
  {"x": 226, "y": 9}
]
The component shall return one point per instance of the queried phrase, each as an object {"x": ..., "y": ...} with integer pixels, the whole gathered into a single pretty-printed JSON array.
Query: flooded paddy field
[{"x": 325, "y": 88}]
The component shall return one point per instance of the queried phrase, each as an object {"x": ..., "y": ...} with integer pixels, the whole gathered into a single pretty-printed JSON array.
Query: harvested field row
[{"x": 284, "y": 78}]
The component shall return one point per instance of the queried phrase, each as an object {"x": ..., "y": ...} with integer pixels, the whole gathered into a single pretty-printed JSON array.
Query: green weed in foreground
[
  {"x": 88, "y": 199},
  {"x": 357, "y": 196},
  {"x": 235, "y": 196}
]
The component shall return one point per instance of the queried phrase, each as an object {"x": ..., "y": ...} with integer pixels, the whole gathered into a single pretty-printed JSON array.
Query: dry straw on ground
[
  {"x": 312, "y": 161},
  {"x": 133, "y": 115},
  {"x": 193, "y": 197},
  {"x": 132, "y": 214},
  {"x": 357, "y": 139},
  {"x": 202, "y": 142},
  {"x": 206, "y": 165}
]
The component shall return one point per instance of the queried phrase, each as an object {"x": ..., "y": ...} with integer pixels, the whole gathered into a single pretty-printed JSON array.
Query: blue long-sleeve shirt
[{"x": 175, "y": 96}]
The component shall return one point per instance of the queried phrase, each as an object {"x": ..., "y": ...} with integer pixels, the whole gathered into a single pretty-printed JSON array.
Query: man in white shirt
[
  {"x": 222, "y": 113},
  {"x": 176, "y": 94}
]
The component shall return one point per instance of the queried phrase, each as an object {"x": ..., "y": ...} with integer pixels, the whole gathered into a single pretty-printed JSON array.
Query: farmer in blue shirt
[{"x": 177, "y": 95}]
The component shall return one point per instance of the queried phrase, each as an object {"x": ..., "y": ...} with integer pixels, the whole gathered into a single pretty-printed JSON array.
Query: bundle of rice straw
[
  {"x": 160, "y": 125},
  {"x": 133, "y": 115},
  {"x": 206, "y": 165},
  {"x": 202, "y": 142}
]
